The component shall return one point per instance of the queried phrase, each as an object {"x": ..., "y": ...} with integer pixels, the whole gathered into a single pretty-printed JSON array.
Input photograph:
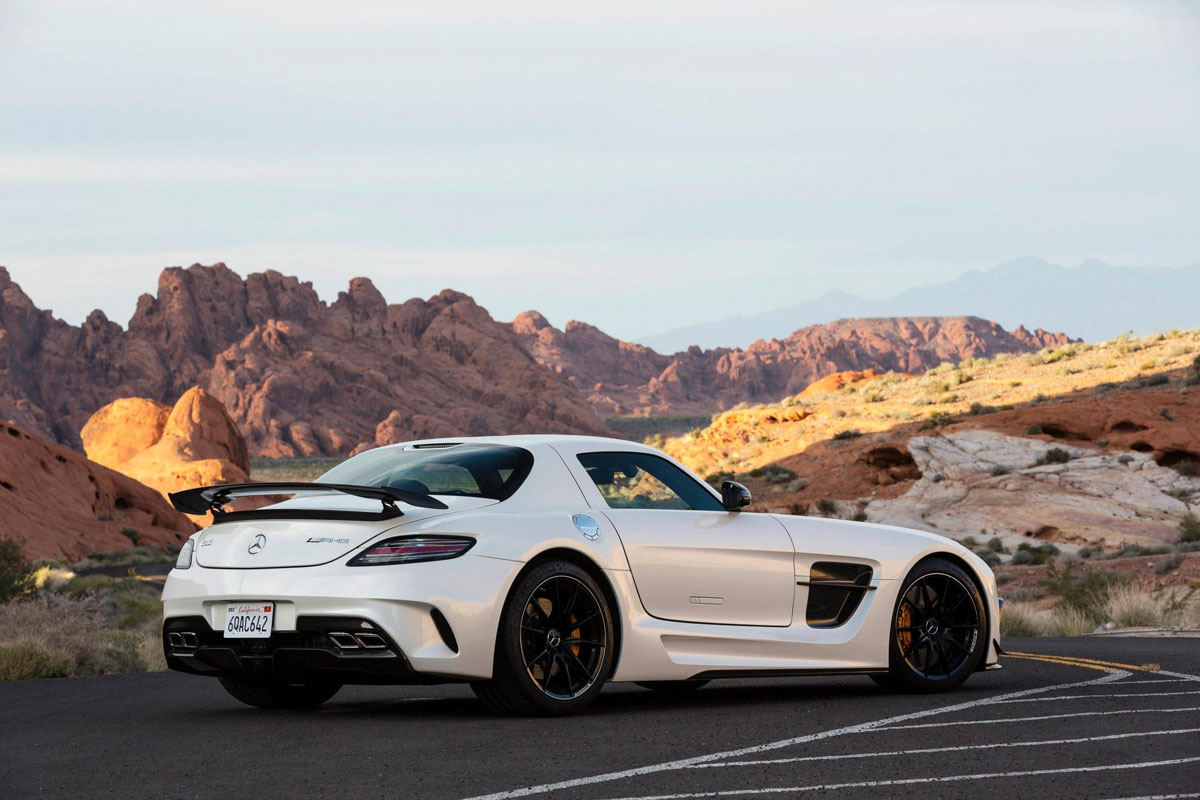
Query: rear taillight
[{"x": 407, "y": 549}]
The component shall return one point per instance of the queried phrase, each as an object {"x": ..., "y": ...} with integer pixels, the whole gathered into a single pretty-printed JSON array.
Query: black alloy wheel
[
  {"x": 563, "y": 637},
  {"x": 938, "y": 629},
  {"x": 555, "y": 644}
]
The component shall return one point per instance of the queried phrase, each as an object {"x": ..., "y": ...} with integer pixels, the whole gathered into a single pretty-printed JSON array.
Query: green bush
[
  {"x": 849, "y": 433},
  {"x": 1189, "y": 528},
  {"x": 859, "y": 516},
  {"x": 1029, "y": 554},
  {"x": 88, "y": 584},
  {"x": 1022, "y": 558},
  {"x": 989, "y": 558},
  {"x": 826, "y": 507},
  {"x": 995, "y": 544},
  {"x": 1055, "y": 455},
  {"x": 1086, "y": 593},
  {"x": 1033, "y": 430},
  {"x": 16, "y": 573}
]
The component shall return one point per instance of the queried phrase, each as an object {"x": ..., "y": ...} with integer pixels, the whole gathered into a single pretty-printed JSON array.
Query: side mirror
[{"x": 734, "y": 496}]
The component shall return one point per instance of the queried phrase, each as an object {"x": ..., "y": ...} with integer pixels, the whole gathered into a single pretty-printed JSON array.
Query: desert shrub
[
  {"x": 1070, "y": 622},
  {"x": 1055, "y": 455},
  {"x": 1085, "y": 552},
  {"x": 1019, "y": 620},
  {"x": 1189, "y": 528},
  {"x": 655, "y": 440},
  {"x": 1196, "y": 366},
  {"x": 1124, "y": 458},
  {"x": 1157, "y": 379},
  {"x": 826, "y": 507},
  {"x": 714, "y": 479},
  {"x": 797, "y": 485},
  {"x": 26, "y": 659},
  {"x": 995, "y": 544},
  {"x": 937, "y": 419},
  {"x": 1185, "y": 468},
  {"x": 1022, "y": 558},
  {"x": 1132, "y": 608},
  {"x": 1033, "y": 430},
  {"x": 88, "y": 584},
  {"x": 775, "y": 474},
  {"x": 1168, "y": 563},
  {"x": 131, "y": 535},
  {"x": 849, "y": 433},
  {"x": 859, "y": 516},
  {"x": 873, "y": 397},
  {"x": 968, "y": 541},
  {"x": 16, "y": 573},
  {"x": 1086, "y": 592},
  {"x": 989, "y": 558}
]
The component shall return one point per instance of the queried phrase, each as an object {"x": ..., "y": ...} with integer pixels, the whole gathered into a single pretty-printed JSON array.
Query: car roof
[{"x": 531, "y": 439}]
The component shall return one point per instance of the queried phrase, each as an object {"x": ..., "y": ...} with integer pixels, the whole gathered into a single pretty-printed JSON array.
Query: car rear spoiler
[{"x": 206, "y": 499}]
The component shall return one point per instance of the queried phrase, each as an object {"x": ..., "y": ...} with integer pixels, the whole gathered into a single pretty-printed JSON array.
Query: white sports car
[{"x": 538, "y": 567}]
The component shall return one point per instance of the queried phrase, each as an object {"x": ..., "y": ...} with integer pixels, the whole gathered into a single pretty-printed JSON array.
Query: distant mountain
[
  {"x": 1094, "y": 301},
  {"x": 621, "y": 378}
]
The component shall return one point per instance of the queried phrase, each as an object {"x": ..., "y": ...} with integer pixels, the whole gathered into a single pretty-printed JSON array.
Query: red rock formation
[
  {"x": 298, "y": 376},
  {"x": 623, "y": 378},
  {"x": 169, "y": 449},
  {"x": 57, "y": 503}
]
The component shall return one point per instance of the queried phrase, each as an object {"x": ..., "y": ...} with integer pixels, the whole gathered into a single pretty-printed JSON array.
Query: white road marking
[
  {"x": 1157, "y": 680},
  {"x": 1098, "y": 696},
  {"x": 667, "y": 766},
  {"x": 909, "y": 781},
  {"x": 891, "y": 753},
  {"x": 1158, "y": 796},
  {"x": 1034, "y": 719}
]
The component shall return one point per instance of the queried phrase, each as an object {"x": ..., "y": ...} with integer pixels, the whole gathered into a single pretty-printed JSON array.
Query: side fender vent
[
  {"x": 443, "y": 628},
  {"x": 835, "y": 591}
]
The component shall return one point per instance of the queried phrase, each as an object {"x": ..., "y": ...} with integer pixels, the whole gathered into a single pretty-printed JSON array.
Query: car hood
[{"x": 267, "y": 543}]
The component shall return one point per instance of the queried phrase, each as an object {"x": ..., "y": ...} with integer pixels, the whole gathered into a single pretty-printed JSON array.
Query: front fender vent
[{"x": 835, "y": 590}]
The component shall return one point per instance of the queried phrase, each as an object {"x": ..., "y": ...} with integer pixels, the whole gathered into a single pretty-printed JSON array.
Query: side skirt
[{"x": 713, "y": 674}]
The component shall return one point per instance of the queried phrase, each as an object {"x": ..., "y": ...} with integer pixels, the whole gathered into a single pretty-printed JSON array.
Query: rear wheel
[
  {"x": 555, "y": 644},
  {"x": 938, "y": 630},
  {"x": 273, "y": 694}
]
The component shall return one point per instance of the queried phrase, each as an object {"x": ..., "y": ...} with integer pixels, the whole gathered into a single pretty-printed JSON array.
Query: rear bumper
[
  {"x": 307, "y": 655},
  {"x": 439, "y": 618}
]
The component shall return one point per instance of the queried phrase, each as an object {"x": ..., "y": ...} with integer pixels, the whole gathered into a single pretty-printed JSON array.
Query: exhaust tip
[{"x": 344, "y": 641}]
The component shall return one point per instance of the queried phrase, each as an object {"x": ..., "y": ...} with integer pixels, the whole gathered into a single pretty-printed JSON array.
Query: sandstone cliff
[
  {"x": 298, "y": 376},
  {"x": 169, "y": 449},
  {"x": 623, "y": 378}
]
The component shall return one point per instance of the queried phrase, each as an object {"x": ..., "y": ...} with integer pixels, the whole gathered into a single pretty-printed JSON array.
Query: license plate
[{"x": 249, "y": 620}]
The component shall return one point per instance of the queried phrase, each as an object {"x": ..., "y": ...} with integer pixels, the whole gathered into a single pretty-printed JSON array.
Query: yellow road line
[{"x": 1085, "y": 663}]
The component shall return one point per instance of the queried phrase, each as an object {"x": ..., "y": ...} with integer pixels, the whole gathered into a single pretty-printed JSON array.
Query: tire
[
  {"x": 678, "y": 688},
  {"x": 938, "y": 631},
  {"x": 554, "y": 647},
  {"x": 273, "y": 694}
]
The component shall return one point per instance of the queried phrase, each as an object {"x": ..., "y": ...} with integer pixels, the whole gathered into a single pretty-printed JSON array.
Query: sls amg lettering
[{"x": 326, "y": 540}]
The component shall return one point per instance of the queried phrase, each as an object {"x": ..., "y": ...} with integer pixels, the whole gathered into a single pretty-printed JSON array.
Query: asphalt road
[{"x": 1044, "y": 726}]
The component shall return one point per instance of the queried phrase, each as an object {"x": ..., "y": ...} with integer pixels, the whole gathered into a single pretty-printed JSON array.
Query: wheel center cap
[
  {"x": 553, "y": 638},
  {"x": 931, "y": 627}
]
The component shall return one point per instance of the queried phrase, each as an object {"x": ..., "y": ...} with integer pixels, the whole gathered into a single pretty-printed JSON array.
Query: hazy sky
[{"x": 636, "y": 165}]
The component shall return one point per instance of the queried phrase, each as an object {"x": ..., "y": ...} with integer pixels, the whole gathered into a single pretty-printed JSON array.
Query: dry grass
[
  {"x": 1122, "y": 606},
  {"x": 50, "y": 635}
]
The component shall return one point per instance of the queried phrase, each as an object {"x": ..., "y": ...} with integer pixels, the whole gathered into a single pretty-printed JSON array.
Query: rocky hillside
[
  {"x": 621, "y": 378},
  {"x": 298, "y": 376},
  {"x": 56, "y": 503},
  {"x": 1075, "y": 445}
]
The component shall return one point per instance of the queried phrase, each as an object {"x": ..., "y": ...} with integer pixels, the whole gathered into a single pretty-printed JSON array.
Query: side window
[{"x": 641, "y": 480}]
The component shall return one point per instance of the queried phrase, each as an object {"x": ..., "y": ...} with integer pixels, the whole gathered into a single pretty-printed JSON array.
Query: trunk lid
[{"x": 266, "y": 543}]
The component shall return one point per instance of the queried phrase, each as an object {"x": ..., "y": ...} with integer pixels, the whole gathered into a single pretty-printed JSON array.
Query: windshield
[{"x": 465, "y": 470}]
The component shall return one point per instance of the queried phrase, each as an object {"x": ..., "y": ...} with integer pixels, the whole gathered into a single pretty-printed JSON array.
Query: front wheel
[
  {"x": 938, "y": 631},
  {"x": 555, "y": 644},
  {"x": 273, "y": 694}
]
